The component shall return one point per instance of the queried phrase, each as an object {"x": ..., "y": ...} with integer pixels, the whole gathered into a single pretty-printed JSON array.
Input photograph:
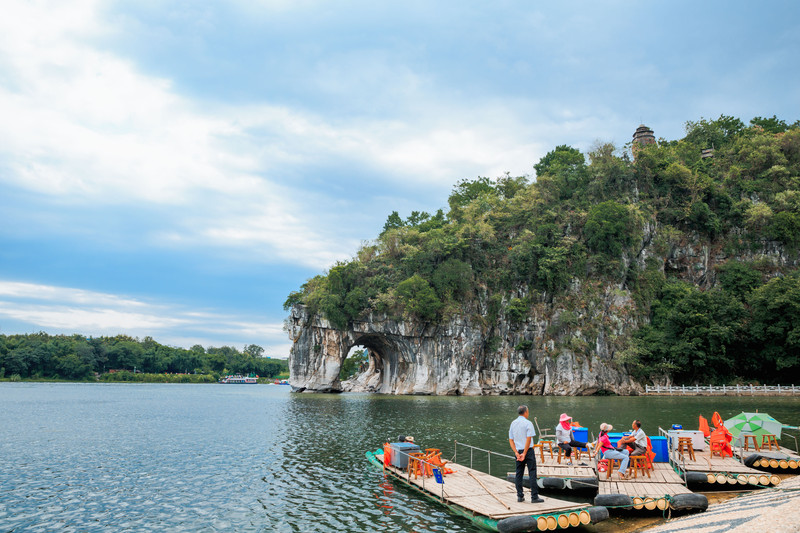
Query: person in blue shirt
[{"x": 520, "y": 437}]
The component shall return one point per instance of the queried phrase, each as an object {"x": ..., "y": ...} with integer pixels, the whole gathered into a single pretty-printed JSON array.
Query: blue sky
[{"x": 175, "y": 170}]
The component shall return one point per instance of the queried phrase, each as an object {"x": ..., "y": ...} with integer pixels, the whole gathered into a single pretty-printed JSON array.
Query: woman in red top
[{"x": 609, "y": 452}]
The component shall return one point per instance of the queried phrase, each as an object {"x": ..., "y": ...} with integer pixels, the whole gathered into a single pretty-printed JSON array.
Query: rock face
[
  {"x": 457, "y": 357},
  {"x": 565, "y": 347}
]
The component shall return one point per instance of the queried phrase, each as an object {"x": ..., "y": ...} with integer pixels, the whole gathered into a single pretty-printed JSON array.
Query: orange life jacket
[{"x": 704, "y": 426}]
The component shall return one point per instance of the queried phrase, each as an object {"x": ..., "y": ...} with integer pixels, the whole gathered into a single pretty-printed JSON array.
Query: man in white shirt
[
  {"x": 637, "y": 440},
  {"x": 520, "y": 437}
]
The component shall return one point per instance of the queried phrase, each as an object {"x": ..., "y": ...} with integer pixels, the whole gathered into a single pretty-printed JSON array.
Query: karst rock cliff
[
  {"x": 457, "y": 357},
  {"x": 572, "y": 345}
]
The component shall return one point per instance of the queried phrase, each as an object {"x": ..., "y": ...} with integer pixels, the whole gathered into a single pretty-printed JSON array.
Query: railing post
[
  {"x": 738, "y": 390},
  {"x": 752, "y": 392},
  {"x": 765, "y": 389},
  {"x": 683, "y": 389},
  {"x": 779, "y": 388},
  {"x": 697, "y": 389},
  {"x": 723, "y": 390}
]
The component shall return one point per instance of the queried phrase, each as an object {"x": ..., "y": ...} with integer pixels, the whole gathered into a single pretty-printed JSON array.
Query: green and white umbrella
[{"x": 754, "y": 424}]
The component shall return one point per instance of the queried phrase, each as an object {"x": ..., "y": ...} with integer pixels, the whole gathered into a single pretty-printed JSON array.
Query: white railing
[
  {"x": 723, "y": 390},
  {"x": 489, "y": 454}
]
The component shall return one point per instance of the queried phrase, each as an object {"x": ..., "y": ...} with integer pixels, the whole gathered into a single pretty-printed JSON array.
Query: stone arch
[{"x": 385, "y": 363}]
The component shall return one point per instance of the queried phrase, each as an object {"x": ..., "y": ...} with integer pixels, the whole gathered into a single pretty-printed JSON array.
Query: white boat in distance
[{"x": 239, "y": 379}]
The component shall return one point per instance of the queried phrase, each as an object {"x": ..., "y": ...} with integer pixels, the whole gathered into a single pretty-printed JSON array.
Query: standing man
[{"x": 520, "y": 437}]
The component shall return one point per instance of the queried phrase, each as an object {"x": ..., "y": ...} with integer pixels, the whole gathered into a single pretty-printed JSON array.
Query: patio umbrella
[{"x": 754, "y": 423}]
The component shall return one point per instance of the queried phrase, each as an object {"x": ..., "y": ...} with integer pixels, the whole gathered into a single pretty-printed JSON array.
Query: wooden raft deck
[
  {"x": 460, "y": 488},
  {"x": 547, "y": 465},
  {"x": 705, "y": 463},
  {"x": 727, "y": 470},
  {"x": 783, "y": 459},
  {"x": 565, "y": 471},
  {"x": 663, "y": 482}
]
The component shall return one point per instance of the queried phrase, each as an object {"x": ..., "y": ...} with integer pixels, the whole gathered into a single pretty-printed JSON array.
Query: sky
[{"x": 175, "y": 170}]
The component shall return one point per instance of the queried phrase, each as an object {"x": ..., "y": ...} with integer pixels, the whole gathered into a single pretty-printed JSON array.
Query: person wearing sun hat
[
  {"x": 565, "y": 439},
  {"x": 609, "y": 452}
]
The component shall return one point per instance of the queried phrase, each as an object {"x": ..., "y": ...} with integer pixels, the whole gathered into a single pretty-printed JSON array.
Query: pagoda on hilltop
[{"x": 641, "y": 137}]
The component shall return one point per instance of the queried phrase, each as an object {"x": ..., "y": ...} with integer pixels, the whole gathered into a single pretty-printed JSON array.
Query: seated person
[
  {"x": 564, "y": 437},
  {"x": 609, "y": 452},
  {"x": 636, "y": 441}
]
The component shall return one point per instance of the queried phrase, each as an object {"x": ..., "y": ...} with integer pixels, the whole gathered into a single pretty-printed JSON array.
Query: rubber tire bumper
[
  {"x": 614, "y": 500},
  {"x": 686, "y": 502}
]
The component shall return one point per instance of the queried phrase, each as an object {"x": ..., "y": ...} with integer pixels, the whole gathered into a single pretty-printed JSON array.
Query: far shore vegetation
[{"x": 55, "y": 358}]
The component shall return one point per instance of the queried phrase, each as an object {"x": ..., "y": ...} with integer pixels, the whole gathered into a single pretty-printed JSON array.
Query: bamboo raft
[
  {"x": 663, "y": 490},
  {"x": 491, "y": 502},
  {"x": 721, "y": 471},
  {"x": 552, "y": 475},
  {"x": 782, "y": 460}
]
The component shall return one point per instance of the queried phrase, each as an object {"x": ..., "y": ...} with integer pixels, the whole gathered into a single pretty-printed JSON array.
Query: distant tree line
[
  {"x": 76, "y": 357},
  {"x": 615, "y": 217}
]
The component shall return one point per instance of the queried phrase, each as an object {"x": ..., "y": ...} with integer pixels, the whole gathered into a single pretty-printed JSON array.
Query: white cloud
[
  {"x": 68, "y": 310},
  {"x": 87, "y": 127}
]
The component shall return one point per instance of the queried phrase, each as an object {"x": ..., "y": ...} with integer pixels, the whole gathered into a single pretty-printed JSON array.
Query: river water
[{"x": 155, "y": 457}]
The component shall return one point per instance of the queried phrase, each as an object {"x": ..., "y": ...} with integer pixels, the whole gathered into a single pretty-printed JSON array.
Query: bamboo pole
[{"x": 487, "y": 490}]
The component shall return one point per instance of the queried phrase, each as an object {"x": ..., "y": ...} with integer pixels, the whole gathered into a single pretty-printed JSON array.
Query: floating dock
[
  {"x": 491, "y": 502},
  {"x": 721, "y": 471},
  {"x": 663, "y": 490},
  {"x": 783, "y": 460},
  {"x": 552, "y": 475}
]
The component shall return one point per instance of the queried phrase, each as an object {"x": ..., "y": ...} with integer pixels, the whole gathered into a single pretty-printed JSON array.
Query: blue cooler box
[
  {"x": 660, "y": 448},
  {"x": 400, "y": 451},
  {"x": 580, "y": 435},
  {"x": 659, "y": 445}
]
